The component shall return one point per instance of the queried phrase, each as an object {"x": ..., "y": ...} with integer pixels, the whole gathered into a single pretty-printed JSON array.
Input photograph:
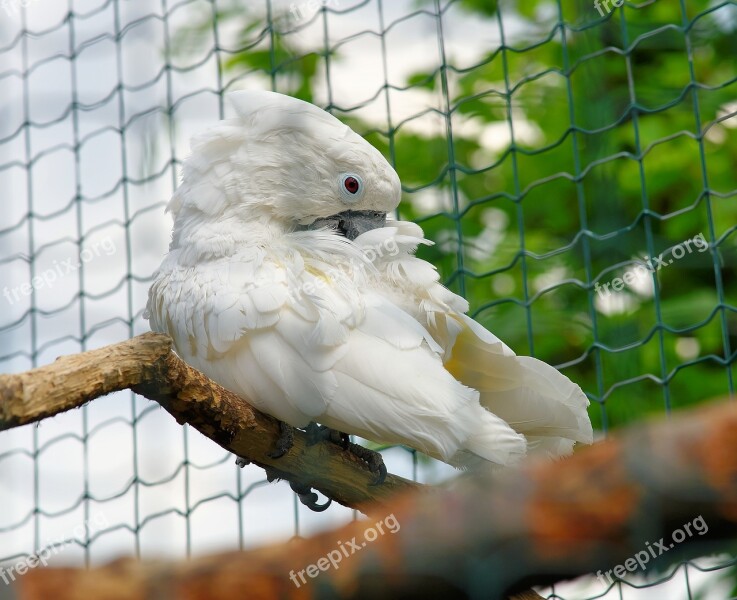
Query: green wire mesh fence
[{"x": 573, "y": 160}]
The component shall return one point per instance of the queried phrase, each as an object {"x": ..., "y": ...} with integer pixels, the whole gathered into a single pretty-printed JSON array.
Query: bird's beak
[{"x": 352, "y": 223}]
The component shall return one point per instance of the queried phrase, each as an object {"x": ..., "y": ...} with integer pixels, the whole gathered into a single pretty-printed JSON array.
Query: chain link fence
[{"x": 573, "y": 160}]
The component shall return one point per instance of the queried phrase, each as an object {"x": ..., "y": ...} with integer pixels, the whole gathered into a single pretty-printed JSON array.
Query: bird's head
[{"x": 286, "y": 161}]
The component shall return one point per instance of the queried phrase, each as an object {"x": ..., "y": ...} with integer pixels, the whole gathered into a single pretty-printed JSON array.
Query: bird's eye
[{"x": 351, "y": 186}]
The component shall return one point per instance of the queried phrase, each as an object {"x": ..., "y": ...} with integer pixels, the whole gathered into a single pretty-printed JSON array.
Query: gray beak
[{"x": 352, "y": 223}]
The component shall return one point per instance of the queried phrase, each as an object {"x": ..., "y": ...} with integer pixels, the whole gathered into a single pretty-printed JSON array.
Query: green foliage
[{"x": 616, "y": 154}]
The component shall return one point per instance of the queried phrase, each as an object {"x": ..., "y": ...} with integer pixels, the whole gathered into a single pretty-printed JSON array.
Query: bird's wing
[
  {"x": 533, "y": 397},
  {"x": 393, "y": 389}
]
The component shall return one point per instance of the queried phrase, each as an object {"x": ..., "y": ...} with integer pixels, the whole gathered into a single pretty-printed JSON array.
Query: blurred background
[{"x": 576, "y": 163}]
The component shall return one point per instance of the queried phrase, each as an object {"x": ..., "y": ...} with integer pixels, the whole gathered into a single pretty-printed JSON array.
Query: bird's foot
[
  {"x": 304, "y": 492},
  {"x": 316, "y": 433},
  {"x": 373, "y": 459},
  {"x": 283, "y": 444},
  {"x": 308, "y": 497},
  {"x": 285, "y": 441}
]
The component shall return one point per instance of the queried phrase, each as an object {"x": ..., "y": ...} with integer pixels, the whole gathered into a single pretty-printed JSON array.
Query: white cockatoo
[{"x": 286, "y": 284}]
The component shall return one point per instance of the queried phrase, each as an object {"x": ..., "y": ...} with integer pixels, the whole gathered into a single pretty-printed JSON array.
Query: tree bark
[{"x": 485, "y": 537}]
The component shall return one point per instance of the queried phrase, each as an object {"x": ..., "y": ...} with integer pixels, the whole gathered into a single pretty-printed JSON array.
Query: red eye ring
[{"x": 351, "y": 185}]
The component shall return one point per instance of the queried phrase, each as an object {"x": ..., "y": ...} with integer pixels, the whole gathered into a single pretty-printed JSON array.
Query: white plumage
[{"x": 310, "y": 325}]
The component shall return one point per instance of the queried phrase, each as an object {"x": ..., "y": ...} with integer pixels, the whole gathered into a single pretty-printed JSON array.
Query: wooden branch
[
  {"x": 539, "y": 524},
  {"x": 147, "y": 365}
]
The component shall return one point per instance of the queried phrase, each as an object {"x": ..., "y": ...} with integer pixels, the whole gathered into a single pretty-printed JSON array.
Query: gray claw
[
  {"x": 373, "y": 459},
  {"x": 285, "y": 441},
  {"x": 308, "y": 497}
]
